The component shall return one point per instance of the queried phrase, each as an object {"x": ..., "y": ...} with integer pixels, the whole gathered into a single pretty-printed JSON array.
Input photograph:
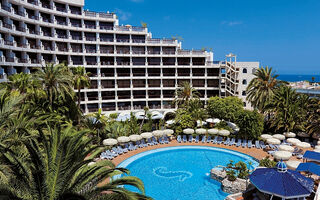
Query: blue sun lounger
[
  {"x": 143, "y": 143},
  {"x": 249, "y": 143},
  {"x": 215, "y": 140},
  {"x": 209, "y": 139},
  {"x": 154, "y": 140},
  {"x": 257, "y": 144},
  {"x": 161, "y": 140},
  {"x": 244, "y": 144},
  {"x": 190, "y": 138},
  {"x": 184, "y": 138},
  {"x": 124, "y": 150},
  {"x": 166, "y": 140},
  {"x": 149, "y": 142},
  {"x": 179, "y": 138},
  {"x": 127, "y": 146},
  {"x": 232, "y": 142},
  {"x": 220, "y": 140},
  {"x": 262, "y": 145},
  {"x": 238, "y": 143},
  {"x": 133, "y": 147},
  {"x": 203, "y": 140},
  {"x": 227, "y": 141},
  {"x": 116, "y": 150},
  {"x": 197, "y": 139}
]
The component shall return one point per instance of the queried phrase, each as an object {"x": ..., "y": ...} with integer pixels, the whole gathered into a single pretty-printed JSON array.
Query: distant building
[{"x": 129, "y": 68}]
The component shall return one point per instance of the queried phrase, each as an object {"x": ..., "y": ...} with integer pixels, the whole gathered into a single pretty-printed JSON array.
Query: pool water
[{"x": 182, "y": 173}]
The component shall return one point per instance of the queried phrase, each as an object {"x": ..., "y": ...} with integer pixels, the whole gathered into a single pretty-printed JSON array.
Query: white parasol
[
  {"x": 279, "y": 136},
  {"x": 146, "y": 135},
  {"x": 123, "y": 139},
  {"x": 266, "y": 136},
  {"x": 135, "y": 138},
  {"x": 213, "y": 131},
  {"x": 273, "y": 141},
  {"x": 109, "y": 142},
  {"x": 188, "y": 131},
  {"x": 284, "y": 147},
  {"x": 201, "y": 131},
  {"x": 282, "y": 155},
  {"x": 289, "y": 134}
]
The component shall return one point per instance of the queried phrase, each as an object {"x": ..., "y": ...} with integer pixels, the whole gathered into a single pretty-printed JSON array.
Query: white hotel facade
[{"x": 129, "y": 68}]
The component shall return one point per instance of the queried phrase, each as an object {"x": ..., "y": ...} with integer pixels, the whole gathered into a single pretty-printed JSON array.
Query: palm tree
[
  {"x": 286, "y": 108},
  {"x": 56, "y": 81},
  {"x": 313, "y": 116},
  {"x": 146, "y": 110},
  {"x": 81, "y": 79},
  {"x": 184, "y": 94},
  {"x": 261, "y": 89},
  {"x": 21, "y": 82},
  {"x": 97, "y": 122},
  {"x": 58, "y": 166},
  {"x": 197, "y": 111}
]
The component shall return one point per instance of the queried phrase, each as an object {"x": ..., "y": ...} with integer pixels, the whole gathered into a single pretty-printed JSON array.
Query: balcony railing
[
  {"x": 8, "y": 42},
  {"x": 8, "y": 26},
  {"x": 9, "y": 59},
  {"x": 6, "y": 7},
  {"x": 75, "y": 37},
  {"x": 91, "y": 38},
  {"x": 21, "y": 29},
  {"x": 153, "y": 41},
  {"x": 47, "y": 20},
  {"x": 32, "y": 31},
  {"x": 34, "y": 2},
  {"x": 91, "y": 63},
  {"x": 107, "y": 63},
  {"x": 61, "y": 9},
  {"x": 76, "y": 24},
  {"x": 138, "y": 41},
  {"x": 91, "y": 51},
  {"x": 64, "y": 23},
  {"x": 123, "y": 40},
  {"x": 122, "y": 28},
  {"x": 77, "y": 62},
  {"x": 46, "y": 5},
  {"x": 106, "y": 27},
  {"x": 48, "y": 48},
  {"x": 108, "y": 108},
  {"x": 105, "y": 15},
  {"x": 75, "y": 12},
  {"x": 21, "y": 13},
  {"x": 90, "y": 14},
  {"x": 77, "y": 50},
  {"x": 62, "y": 36},
  {"x": 106, "y": 39},
  {"x": 48, "y": 34},
  {"x": 35, "y": 17},
  {"x": 91, "y": 26}
]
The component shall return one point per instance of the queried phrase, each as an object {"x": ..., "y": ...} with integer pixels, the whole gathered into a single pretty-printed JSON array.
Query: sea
[{"x": 298, "y": 77}]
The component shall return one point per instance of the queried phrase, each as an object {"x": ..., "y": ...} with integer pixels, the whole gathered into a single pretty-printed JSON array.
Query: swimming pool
[{"x": 182, "y": 173}]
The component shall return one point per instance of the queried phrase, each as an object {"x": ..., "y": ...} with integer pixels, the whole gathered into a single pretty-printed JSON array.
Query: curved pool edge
[{"x": 131, "y": 159}]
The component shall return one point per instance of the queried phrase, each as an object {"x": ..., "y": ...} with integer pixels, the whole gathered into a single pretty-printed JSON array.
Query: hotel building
[{"x": 129, "y": 69}]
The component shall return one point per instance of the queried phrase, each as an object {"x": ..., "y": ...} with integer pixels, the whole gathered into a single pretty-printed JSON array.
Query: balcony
[
  {"x": 105, "y": 15},
  {"x": 76, "y": 50},
  {"x": 91, "y": 62},
  {"x": 64, "y": 23},
  {"x": 20, "y": 60},
  {"x": 61, "y": 9},
  {"x": 138, "y": 41},
  {"x": 107, "y": 63},
  {"x": 34, "y": 2},
  {"x": 6, "y": 7},
  {"x": 74, "y": 24},
  {"x": 77, "y": 62},
  {"x": 169, "y": 52},
  {"x": 91, "y": 51},
  {"x": 75, "y": 11},
  {"x": 9, "y": 59},
  {"x": 8, "y": 26},
  {"x": 8, "y": 42},
  {"x": 47, "y": 20},
  {"x": 106, "y": 27},
  {"x": 112, "y": 108},
  {"x": 138, "y": 28},
  {"x": 90, "y": 14},
  {"x": 91, "y": 26},
  {"x": 122, "y": 28},
  {"x": 61, "y": 36},
  {"x": 46, "y": 5},
  {"x": 21, "y": 13},
  {"x": 106, "y": 39},
  {"x": 47, "y": 47},
  {"x": 106, "y": 51},
  {"x": 93, "y": 110},
  {"x": 138, "y": 52},
  {"x": 123, "y": 40},
  {"x": 48, "y": 34},
  {"x": 35, "y": 17},
  {"x": 63, "y": 49},
  {"x": 76, "y": 37},
  {"x": 21, "y": 29},
  {"x": 91, "y": 38},
  {"x": 34, "y": 32}
]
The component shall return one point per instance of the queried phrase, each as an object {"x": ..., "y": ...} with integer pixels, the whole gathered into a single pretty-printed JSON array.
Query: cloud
[
  {"x": 231, "y": 23},
  {"x": 123, "y": 15}
]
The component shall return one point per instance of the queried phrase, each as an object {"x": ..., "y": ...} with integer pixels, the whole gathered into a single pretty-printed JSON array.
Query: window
[
  {"x": 244, "y": 71},
  {"x": 244, "y": 82},
  {"x": 244, "y": 93}
]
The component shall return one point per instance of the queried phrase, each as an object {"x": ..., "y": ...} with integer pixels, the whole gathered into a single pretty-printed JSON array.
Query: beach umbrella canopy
[
  {"x": 201, "y": 131},
  {"x": 317, "y": 147},
  {"x": 123, "y": 139},
  {"x": 289, "y": 134},
  {"x": 279, "y": 136},
  {"x": 210, "y": 120},
  {"x": 303, "y": 145},
  {"x": 284, "y": 147},
  {"x": 146, "y": 135},
  {"x": 170, "y": 122},
  {"x": 318, "y": 143},
  {"x": 293, "y": 140},
  {"x": 213, "y": 131},
  {"x": 158, "y": 133},
  {"x": 282, "y": 155},
  {"x": 273, "y": 141},
  {"x": 224, "y": 132},
  {"x": 135, "y": 138},
  {"x": 282, "y": 182},
  {"x": 266, "y": 136},
  {"x": 188, "y": 131},
  {"x": 293, "y": 164},
  {"x": 168, "y": 132},
  {"x": 110, "y": 142},
  {"x": 216, "y": 120}
]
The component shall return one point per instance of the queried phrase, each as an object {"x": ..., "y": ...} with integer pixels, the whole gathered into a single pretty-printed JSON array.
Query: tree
[
  {"x": 183, "y": 120},
  {"x": 184, "y": 94},
  {"x": 197, "y": 111},
  {"x": 225, "y": 108},
  {"x": 81, "y": 79},
  {"x": 286, "y": 108},
  {"x": 146, "y": 110},
  {"x": 97, "y": 122},
  {"x": 57, "y": 166},
  {"x": 56, "y": 81},
  {"x": 261, "y": 89},
  {"x": 250, "y": 124}
]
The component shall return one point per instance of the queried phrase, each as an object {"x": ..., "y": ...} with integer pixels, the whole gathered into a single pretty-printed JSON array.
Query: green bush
[
  {"x": 266, "y": 162},
  {"x": 250, "y": 124},
  {"x": 225, "y": 108},
  {"x": 223, "y": 125}
]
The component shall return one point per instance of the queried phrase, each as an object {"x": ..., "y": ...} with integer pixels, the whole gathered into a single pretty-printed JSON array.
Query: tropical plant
[
  {"x": 225, "y": 108},
  {"x": 261, "y": 89},
  {"x": 313, "y": 113},
  {"x": 184, "y": 94},
  {"x": 81, "y": 79},
  {"x": 250, "y": 124},
  {"x": 266, "y": 162},
  {"x": 57, "y": 165},
  {"x": 146, "y": 110},
  {"x": 97, "y": 122}
]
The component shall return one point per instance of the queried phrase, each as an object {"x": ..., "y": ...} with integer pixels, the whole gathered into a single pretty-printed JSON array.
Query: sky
[{"x": 282, "y": 34}]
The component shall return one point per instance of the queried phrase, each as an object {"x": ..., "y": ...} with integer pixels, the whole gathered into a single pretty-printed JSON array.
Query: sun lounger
[
  {"x": 204, "y": 138},
  {"x": 179, "y": 138},
  {"x": 113, "y": 154},
  {"x": 139, "y": 143},
  {"x": 154, "y": 140},
  {"x": 197, "y": 139},
  {"x": 250, "y": 144},
  {"x": 219, "y": 140},
  {"x": 161, "y": 140},
  {"x": 127, "y": 146},
  {"x": 184, "y": 138},
  {"x": 262, "y": 145},
  {"x": 257, "y": 144},
  {"x": 209, "y": 139},
  {"x": 166, "y": 140},
  {"x": 299, "y": 156},
  {"x": 227, "y": 141},
  {"x": 149, "y": 142},
  {"x": 190, "y": 138},
  {"x": 232, "y": 142},
  {"x": 114, "y": 149},
  {"x": 143, "y": 143},
  {"x": 272, "y": 146},
  {"x": 134, "y": 147},
  {"x": 124, "y": 150},
  {"x": 215, "y": 140},
  {"x": 244, "y": 143},
  {"x": 295, "y": 153},
  {"x": 238, "y": 143}
]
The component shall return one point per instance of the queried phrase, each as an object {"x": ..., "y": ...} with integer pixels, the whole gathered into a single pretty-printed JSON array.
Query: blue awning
[
  {"x": 312, "y": 155},
  {"x": 309, "y": 167}
]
